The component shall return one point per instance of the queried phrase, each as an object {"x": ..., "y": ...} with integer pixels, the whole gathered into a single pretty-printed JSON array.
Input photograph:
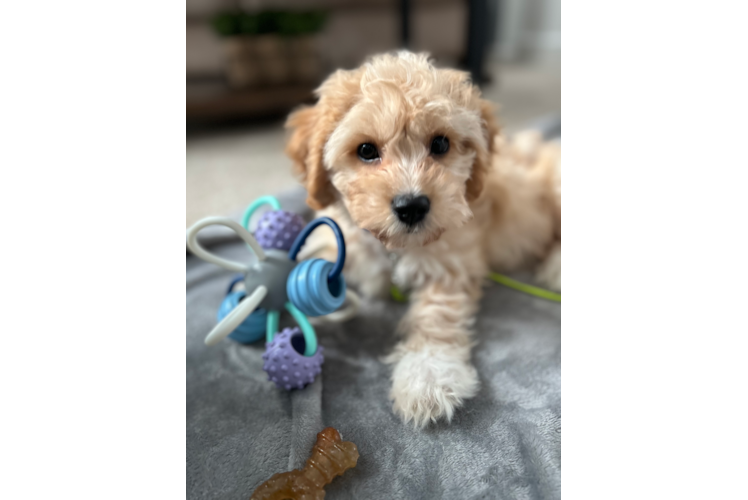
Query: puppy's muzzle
[{"x": 411, "y": 209}]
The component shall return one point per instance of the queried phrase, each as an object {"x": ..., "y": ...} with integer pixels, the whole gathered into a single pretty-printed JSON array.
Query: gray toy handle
[{"x": 195, "y": 247}]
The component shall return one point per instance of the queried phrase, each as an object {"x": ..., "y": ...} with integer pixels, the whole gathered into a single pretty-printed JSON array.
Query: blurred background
[{"x": 249, "y": 62}]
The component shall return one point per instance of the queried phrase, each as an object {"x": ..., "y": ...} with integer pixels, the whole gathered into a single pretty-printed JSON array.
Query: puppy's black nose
[{"x": 410, "y": 209}]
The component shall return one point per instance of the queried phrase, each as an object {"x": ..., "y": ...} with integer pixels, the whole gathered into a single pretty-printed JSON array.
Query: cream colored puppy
[{"x": 409, "y": 160}]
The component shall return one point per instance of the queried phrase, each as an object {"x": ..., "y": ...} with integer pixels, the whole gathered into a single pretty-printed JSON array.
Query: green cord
[
  {"x": 398, "y": 296},
  {"x": 524, "y": 287}
]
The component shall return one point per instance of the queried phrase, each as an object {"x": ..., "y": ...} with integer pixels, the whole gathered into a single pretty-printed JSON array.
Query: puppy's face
[{"x": 403, "y": 145}]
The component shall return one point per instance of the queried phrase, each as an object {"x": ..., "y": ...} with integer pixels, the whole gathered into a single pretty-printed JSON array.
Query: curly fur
[{"x": 495, "y": 204}]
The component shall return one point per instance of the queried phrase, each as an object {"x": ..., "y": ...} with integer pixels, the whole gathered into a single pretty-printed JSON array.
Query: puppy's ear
[
  {"x": 305, "y": 147},
  {"x": 482, "y": 164}
]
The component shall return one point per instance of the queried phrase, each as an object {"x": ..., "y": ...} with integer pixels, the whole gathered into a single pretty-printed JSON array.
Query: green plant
[
  {"x": 249, "y": 24},
  {"x": 235, "y": 23},
  {"x": 266, "y": 22},
  {"x": 226, "y": 24},
  {"x": 302, "y": 23}
]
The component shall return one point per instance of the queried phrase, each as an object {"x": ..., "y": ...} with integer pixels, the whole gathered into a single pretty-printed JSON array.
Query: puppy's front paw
[{"x": 430, "y": 384}]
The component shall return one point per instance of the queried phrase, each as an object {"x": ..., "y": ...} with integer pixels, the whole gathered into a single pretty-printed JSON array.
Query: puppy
[{"x": 410, "y": 161}]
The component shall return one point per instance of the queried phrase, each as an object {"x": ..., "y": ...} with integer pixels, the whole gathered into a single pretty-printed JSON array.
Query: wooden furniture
[{"x": 217, "y": 101}]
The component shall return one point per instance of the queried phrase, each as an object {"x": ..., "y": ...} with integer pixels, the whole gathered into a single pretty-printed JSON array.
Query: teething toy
[
  {"x": 331, "y": 456},
  {"x": 276, "y": 228},
  {"x": 251, "y": 329},
  {"x": 275, "y": 281},
  {"x": 285, "y": 366}
]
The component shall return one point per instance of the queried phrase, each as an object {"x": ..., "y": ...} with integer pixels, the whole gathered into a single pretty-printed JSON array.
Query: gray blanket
[{"x": 241, "y": 429}]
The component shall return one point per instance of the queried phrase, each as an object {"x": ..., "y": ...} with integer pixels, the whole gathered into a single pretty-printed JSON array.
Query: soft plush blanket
[{"x": 241, "y": 429}]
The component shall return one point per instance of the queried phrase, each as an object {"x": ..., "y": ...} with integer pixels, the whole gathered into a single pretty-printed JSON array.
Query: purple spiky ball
[
  {"x": 288, "y": 367},
  {"x": 278, "y": 229}
]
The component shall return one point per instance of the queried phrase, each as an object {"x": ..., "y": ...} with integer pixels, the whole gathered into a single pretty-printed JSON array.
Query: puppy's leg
[
  {"x": 562, "y": 255},
  {"x": 525, "y": 194},
  {"x": 432, "y": 373},
  {"x": 367, "y": 266}
]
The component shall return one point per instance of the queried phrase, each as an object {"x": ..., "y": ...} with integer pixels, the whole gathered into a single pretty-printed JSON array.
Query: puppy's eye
[
  {"x": 367, "y": 152},
  {"x": 439, "y": 145}
]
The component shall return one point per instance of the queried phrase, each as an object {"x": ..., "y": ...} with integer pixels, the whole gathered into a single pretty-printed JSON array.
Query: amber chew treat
[{"x": 330, "y": 457}]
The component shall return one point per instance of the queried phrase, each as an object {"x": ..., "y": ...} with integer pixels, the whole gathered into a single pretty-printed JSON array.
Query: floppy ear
[
  {"x": 305, "y": 147},
  {"x": 482, "y": 163}
]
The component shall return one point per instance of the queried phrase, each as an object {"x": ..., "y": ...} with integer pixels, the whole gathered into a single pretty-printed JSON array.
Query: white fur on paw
[{"x": 431, "y": 384}]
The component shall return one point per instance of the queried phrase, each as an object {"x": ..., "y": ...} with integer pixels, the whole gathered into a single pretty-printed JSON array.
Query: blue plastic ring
[
  {"x": 308, "y": 288},
  {"x": 252, "y": 328},
  {"x": 301, "y": 239},
  {"x": 237, "y": 279}
]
